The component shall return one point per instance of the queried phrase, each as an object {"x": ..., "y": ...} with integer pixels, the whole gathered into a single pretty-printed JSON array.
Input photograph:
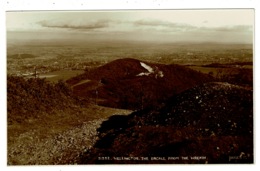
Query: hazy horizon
[{"x": 220, "y": 26}]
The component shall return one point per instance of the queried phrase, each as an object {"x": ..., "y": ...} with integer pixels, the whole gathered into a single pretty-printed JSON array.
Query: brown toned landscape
[{"x": 94, "y": 100}]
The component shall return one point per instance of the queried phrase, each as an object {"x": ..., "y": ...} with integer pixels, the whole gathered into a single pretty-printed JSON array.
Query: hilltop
[
  {"x": 213, "y": 121},
  {"x": 178, "y": 112},
  {"x": 134, "y": 84}
]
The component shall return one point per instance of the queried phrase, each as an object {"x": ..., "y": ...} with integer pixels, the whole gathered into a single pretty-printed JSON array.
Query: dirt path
[
  {"x": 50, "y": 143},
  {"x": 81, "y": 82}
]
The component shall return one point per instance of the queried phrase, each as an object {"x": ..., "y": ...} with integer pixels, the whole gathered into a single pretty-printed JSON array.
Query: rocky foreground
[
  {"x": 62, "y": 148},
  {"x": 208, "y": 123},
  {"x": 58, "y": 139}
]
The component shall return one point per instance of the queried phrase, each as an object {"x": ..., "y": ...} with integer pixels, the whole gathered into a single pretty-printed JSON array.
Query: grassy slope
[
  {"x": 62, "y": 75},
  {"x": 240, "y": 74},
  {"x": 39, "y": 111}
]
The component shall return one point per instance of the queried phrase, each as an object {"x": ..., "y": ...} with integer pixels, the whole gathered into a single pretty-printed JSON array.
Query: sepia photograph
[{"x": 165, "y": 86}]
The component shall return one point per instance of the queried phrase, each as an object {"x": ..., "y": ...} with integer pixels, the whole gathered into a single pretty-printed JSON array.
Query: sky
[{"x": 224, "y": 26}]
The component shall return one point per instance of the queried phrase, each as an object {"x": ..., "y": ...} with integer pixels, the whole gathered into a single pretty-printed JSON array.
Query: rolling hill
[{"x": 133, "y": 84}]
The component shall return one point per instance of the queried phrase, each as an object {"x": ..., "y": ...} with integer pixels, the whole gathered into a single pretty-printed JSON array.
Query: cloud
[
  {"x": 158, "y": 30},
  {"x": 237, "y": 28},
  {"x": 151, "y": 26},
  {"x": 75, "y": 25},
  {"x": 182, "y": 27},
  {"x": 164, "y": 25}
]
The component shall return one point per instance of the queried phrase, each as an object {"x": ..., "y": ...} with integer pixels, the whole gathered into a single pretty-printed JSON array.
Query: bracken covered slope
[
  {"x": 213, "y": 121},
  {"x": 35, "y": 97}
]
